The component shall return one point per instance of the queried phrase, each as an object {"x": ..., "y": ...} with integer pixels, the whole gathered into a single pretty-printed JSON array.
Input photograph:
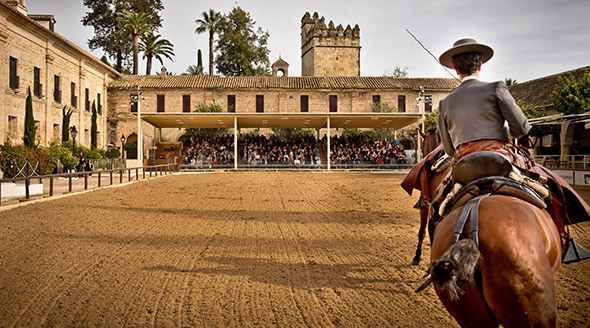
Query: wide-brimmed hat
[{"x": 466, "y": 45}]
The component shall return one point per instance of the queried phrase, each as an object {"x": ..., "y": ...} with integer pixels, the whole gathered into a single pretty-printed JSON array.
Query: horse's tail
[{"x": 455, "y": 268}]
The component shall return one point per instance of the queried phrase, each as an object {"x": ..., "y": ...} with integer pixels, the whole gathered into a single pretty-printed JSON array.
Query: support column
[
  {"x": 235, "y": 142},
  {"x": 564, "y": 149},
  {"x": 418, "y": 147},
  {"x": 328, "y": 143}
]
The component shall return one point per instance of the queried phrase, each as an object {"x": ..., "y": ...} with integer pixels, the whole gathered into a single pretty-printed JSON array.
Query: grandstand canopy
[{"x": 281, "y": 120}]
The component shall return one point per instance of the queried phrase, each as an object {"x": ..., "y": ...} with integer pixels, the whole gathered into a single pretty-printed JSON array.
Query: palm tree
[
  {"x": 154, "y": 47},
  {"x": 137, "y": 24},
  {"x": 510, "y": 81},
  {"x": 209, "y": 22},
  {"x": 194, "y": 70}
]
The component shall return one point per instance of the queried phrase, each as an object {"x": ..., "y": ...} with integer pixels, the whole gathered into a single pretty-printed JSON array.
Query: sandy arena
[{"x": 232, "y": 250}]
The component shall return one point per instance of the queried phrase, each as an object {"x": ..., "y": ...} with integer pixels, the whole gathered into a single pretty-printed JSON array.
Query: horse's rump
[{"x": 520, "y": 251}]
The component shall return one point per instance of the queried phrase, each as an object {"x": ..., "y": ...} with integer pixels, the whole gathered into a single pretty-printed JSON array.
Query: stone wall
[
  {"x": 35, "y": 46},
  {"x": 123, "y": 122},
  {"x": 329, "y": 50}
]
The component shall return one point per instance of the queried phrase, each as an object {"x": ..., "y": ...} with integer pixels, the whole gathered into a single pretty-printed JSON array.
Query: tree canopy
[
  {"x": 572, "y": 96},
  {"x": 30, "y": 128},
  {"x": 397, "y": 71},
  {"x": 209, "y": 22},
  {"x": 109, "y": 34},
  {"x": 242, "y": 49},
  {"x": 155, "y": 47}
]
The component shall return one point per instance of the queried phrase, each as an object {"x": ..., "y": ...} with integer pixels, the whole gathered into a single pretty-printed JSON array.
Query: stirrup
[{"x": 575, "y": 252}]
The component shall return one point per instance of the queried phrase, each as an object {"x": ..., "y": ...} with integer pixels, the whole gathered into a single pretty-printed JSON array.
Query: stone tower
[{"x": 329, "y": 51}]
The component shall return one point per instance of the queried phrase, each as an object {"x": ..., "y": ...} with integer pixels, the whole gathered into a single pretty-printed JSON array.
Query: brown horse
[
  {"x": 510, "y": 280},
  {"x": 429, "y": 144}
]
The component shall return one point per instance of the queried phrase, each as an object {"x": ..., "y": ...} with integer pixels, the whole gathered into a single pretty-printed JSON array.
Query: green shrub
[
  {"x": 130, "y": 146},
  {"x": 61, "y": 153},
  {"x": 112, "y": 153},
  {"x": 21, "y": 155},
  {"x": 93, "y": 153}
]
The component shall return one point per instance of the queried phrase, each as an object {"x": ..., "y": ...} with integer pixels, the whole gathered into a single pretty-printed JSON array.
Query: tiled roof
[
  {"x": 538, "y": 92},
  {"x": 60, "y": 38},
  {"x": 284, "y": 82}
]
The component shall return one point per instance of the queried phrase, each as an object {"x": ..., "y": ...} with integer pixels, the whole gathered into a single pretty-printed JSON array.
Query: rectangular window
[
  {"x": 14, "y": 78},
  {"x": 87, "y": 99},
  {"x": 12, "y": 127},
  {"x": 56, "y": 135},
  {"x": 231, "y": 103},
  {"x": 333, "y": 104},
  {"x": 376, "y": 99},
  {"x": 74, "y": 102},
  {"x": 186, "y": 104},
  {"x": 37, "y": 86},
  {"x": 428, "y": 104},
  {"x": 98, "y": 104},
  {"x": 56, "y": 89},
  {"x": 259, "y": 104},
  {"x": 304, "y": 104},
  {"x": 401, "y": 103},
  {"x": 133, "y": 101},
  {"x": 161, "y": 100}
]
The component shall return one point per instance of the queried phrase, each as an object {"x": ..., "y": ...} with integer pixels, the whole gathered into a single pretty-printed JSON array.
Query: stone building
[
  {"x": 58, "y": 73},
  {"x": 329, "y": 50},
  {"x": 182, "y": 94}
]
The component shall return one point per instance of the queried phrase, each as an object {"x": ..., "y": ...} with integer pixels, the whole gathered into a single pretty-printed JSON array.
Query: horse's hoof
[{"x": 415, "y": 262}]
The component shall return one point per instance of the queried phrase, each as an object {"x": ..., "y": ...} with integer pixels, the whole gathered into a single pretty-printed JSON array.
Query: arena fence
[
  {"x": 291, "y": 166},
  {"x": 56, "y": 181}
]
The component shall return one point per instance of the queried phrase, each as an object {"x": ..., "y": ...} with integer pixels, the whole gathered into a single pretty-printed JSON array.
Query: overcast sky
[{"x": 531, "y": 38}]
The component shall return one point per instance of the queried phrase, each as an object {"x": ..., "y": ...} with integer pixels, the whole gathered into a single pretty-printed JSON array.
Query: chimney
[
  {"x": 18, "y": 5},
  {"x": 164, "y": 72}
]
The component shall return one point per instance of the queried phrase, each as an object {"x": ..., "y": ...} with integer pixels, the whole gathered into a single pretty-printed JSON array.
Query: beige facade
[
  {"x": 59, "y": 74},
  {"x": 329, "y": 50},
  {"x": 276, "y": 94}
]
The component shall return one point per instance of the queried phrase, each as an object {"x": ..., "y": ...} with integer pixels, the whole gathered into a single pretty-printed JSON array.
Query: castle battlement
[
  {"x": 340, "y": 53},
  {"x": 315, "y": 32}
]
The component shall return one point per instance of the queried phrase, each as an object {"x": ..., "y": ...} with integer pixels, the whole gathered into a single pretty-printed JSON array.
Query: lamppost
[
  {"x": 74, "y": 134},
  {"x": 122, "y": 147},
  {"x": 420, "y": 104},
  {"x": 139, "y": 98}
]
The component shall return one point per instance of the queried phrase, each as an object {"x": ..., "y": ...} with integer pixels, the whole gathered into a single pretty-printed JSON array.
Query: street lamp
[
  {"x": 74, "y": 134},
  {"x": 139, "y": 98},
  {"x": 122, "y": 146}
]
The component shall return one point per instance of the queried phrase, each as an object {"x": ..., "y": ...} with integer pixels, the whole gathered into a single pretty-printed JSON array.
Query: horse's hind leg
[
  {"x": 471, "y": 309},
  {"x": 514, "y": 258},
  {"x": 421, "y": 232}
]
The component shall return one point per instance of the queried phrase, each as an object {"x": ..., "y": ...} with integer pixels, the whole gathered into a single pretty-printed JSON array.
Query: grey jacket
[{"x": 476, "y": 110}]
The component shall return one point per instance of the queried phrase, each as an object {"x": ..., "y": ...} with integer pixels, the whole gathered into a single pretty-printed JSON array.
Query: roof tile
[{"x": 283, "y": 82}]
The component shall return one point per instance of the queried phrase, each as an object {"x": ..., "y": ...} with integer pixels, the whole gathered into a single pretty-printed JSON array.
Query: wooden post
[
  {"x": 98, "y": 179},
  {"x": 85, "y": 181},
  {"x": 70, "y": 183},
  {"x": 50, "y": 186},
  {"x": 27, "y": 191}
]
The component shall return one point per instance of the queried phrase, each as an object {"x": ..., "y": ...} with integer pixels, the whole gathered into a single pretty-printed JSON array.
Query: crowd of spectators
[
  {"x": 209, "y": 150},
  {"x": 363, "y": 150},
  {"x": 261, "y": 150}
]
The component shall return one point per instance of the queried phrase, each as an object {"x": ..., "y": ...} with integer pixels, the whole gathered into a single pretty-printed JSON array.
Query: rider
[{"x": 479, "y": 116}]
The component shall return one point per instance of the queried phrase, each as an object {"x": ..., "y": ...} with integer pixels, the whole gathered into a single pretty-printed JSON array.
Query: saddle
[{"x": 489, "y": 172}]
